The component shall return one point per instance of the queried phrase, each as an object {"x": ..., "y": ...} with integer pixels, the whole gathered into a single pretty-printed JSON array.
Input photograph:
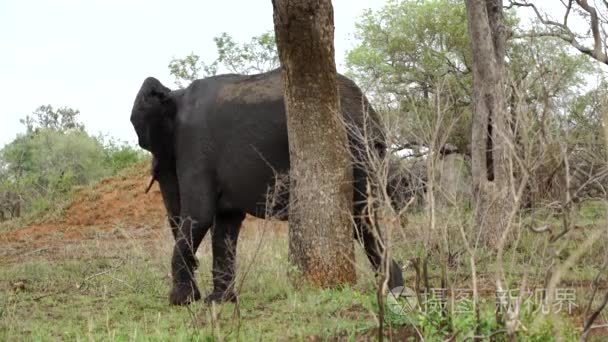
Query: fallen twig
[{"x": 82, "y": 283}]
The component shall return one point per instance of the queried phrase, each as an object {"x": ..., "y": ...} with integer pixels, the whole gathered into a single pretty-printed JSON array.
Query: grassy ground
[
  {"x": 72, "y": 280},
  {"x": 117, "y": 290}
]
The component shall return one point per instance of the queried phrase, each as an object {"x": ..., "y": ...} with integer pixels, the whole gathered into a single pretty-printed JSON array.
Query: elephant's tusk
[{"x": 152, "y": 179}]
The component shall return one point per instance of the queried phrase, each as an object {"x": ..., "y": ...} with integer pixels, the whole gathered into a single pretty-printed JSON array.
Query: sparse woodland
[{"x": 493, "y": 193}]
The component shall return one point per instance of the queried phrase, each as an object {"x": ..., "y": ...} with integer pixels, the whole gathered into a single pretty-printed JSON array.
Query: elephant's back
[
  {"x": 231, "y": 98},
  {"x": 251, "y": 89}
]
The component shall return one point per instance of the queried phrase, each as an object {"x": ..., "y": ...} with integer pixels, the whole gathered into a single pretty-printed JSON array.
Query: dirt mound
[
  {"x": 115, "y": 207},
  {"x": 116, "y": 201},
  {"x": 113, "y": 202}
]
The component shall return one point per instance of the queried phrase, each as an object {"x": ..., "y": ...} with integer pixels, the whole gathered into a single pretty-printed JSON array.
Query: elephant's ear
[
  {"x": 154, "y": 93},
  {"x": 153, "y": 115}
]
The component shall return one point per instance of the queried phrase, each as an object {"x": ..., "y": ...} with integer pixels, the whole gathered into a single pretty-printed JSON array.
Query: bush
[
  {"x": 119, "y": 154},
  {"x": 43, "y": 165}
]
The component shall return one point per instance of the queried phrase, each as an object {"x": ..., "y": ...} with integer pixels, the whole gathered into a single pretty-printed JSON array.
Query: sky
[{"x": 93, "y": 55}]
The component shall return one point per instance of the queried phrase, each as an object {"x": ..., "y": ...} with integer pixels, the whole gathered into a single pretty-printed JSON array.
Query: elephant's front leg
[
  {"x": 169, "y": 188},
  {"x": 198, "y": 209},
  {"x": 164, "y": 172},
  {"x": 225, "y": 235}
]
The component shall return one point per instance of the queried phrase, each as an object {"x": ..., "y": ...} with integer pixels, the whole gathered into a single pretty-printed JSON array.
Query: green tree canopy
[
  {"x": 60, "y": 119},
  {"x": 55, "y": 154},
  {"x": 258, "y": 55},
  {"x": 413, "y": 58}
]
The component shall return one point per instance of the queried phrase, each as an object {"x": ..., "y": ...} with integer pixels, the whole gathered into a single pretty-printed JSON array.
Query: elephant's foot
[
  {"x": 184, "y": 293},
  {"x": 219, "y": 296},
  {"x": 195, "y": 264},
  {"x": 396, "y": 275}
]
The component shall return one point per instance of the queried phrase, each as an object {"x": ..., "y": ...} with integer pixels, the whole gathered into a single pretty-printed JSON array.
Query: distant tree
[
  {"x": 187, "y": 69},
  {"x": 119, "y": 154},
  {"x": 54, "y": 155},
  {"x": 412, "y": 55},
  {"x": 590, "y": 40},
  {"x": 43, "y": 165},
  {"x": 406, "y": 47},
  {"x": 256, "y": 56},
  {"x": 414, "y": 59},
  {"x": 62, "y": 119}
]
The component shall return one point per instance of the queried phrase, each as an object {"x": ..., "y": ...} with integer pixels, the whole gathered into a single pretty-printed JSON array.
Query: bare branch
[
  {"x": 568, "y": 8},
  {"x": 563, "y": 32},
  {"x": 597, "y": 40},
  {"x": 588, "y": 324}
]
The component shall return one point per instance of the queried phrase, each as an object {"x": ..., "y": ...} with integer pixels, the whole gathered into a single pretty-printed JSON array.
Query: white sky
[{"x": 93, "y": 55}]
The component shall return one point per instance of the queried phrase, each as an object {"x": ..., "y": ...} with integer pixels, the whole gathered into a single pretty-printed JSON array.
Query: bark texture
[
  {"x": 491, "y": 130},
  {"x": 320, "y": 225}
]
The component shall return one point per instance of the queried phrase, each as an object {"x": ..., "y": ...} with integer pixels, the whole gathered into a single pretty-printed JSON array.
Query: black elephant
[{"x": 217, "y": 147}]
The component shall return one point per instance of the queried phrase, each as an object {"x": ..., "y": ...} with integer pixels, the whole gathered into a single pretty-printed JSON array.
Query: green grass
[
  {"x": 120, "y": 293},
  {"x": 116, "y": 289}
]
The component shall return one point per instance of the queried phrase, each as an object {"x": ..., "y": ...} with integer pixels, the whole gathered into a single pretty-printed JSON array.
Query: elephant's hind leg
[
  {"x": 225, "y": 235},
  {"x": 372, "y": 240},
  {"x": 374, "y": 249}
]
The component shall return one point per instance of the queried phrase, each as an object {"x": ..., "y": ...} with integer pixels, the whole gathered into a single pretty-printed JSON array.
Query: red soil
[
  {"x": 112, "y": 202},
  {"x": 115, "y": 203}
]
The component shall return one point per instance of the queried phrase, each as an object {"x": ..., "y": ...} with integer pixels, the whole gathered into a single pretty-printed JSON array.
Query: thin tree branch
[
  {"x": 563, "y": 32},
  {"x": 595, "y": 29}
]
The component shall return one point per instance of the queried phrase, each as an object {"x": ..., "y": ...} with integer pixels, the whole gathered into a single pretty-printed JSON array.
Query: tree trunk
[
  {"x": 321, "y": 193},
  {"x": 491, "y": 130}
]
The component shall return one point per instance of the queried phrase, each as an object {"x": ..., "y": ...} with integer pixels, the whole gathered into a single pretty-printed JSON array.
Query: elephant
[{"x": 217, "y": 147}]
